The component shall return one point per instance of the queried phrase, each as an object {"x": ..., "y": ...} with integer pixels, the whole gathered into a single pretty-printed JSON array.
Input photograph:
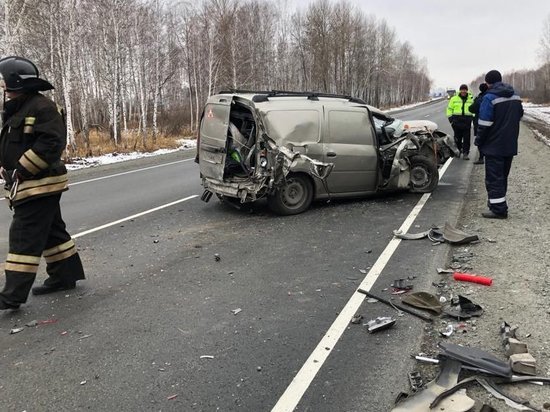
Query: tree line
[
  {"x": 147, "y": 66},
  {"x": 534, "y": 84}
]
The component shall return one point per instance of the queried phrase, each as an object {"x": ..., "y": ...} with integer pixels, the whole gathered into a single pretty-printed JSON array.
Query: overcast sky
[{"x": 463, "y": 39}]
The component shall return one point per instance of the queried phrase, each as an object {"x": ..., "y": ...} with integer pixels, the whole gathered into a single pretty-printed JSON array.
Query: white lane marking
[
  {"x": 124, "y": 173},
  {"x": 128, "y": 172},
  {"x": 294, "y": 392},
  {"x": 116, "y": 222}
]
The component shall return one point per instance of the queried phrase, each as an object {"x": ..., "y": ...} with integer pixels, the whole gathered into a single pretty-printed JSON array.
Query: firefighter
[
  {"x": 497, "y": 139},
  {"x": 460, "y": 118},
  {"x": 32, "y": 138}
]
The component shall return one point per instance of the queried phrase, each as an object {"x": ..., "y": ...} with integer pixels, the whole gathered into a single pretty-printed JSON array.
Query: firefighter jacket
[
  {"x": 458, "y": 111},
  {"x": 32, "y": 139},
  {"x": 498, "y": 126}
]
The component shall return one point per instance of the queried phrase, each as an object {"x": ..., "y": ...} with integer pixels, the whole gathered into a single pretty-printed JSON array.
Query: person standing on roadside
[
  {"x": 474, "y": 108},
  {"x": 32, "y": 139},
  {"x": 497, "y": 139},
  {"x": 460, "y": 118}
]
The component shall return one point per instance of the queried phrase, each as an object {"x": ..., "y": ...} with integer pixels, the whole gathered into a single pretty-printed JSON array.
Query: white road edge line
[
  {"x": 116, "y": 222},
  {"x": 128, "y": 172},
  {"x": 293, "y": 394}
]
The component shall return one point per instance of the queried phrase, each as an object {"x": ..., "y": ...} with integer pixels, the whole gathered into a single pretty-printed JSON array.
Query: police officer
[
  {"x": 460, "y": 118},
  {"x": 497, "y": 139},
  {"x": 32, "y": 138}
]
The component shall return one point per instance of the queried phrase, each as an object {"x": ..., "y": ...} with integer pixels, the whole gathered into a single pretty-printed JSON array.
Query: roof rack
[{"x": 262, "y": 96}]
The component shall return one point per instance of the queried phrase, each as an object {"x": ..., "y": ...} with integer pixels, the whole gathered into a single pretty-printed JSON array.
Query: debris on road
[
  {"x": 449, "y": 330},
  {"x": 380, "y": 323},
  {"x": 217, "y": 257},
  {"x": 446, "y": 379},
  {"x": 31, "y": 324},
  {"x": 445, "y": 271},
  {"x": 401, "y": 286},
  {"x": 84, "y": 382},
  {"x": 425, "y": 301},
  {"x": 462, "y": 308},
  {"x": 356, "y": 320},
  {"x": 171, "y": 397},
  {"x": 236, "y": 311},
  {"x": 523, "y": 363},
  {"x": 456, "y": 236},
  {"x": 259, "y": 368},
  {"x": 396, "y": 306},
  {"x": 449, "y": 234},
  {"x": 16, "y": 330},
  {"x": 84, "y": 337},
  {"x": 47, "y": 321},
  {"x": 415, "y": 379},
  {"x": 469, "y": 277},
  {"x": 206, "y": 357}
]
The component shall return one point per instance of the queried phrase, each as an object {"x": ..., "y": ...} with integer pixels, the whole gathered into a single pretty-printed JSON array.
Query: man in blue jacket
[{"x": 497, "y": 139}]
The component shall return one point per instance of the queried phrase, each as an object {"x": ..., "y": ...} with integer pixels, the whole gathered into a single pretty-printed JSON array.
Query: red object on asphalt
[
  {"x": 468, "y": 277},
  {"x": 47, "y": 321}
]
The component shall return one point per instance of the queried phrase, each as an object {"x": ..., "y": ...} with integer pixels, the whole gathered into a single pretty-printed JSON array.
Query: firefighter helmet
[{"x": 20, "y": 74}]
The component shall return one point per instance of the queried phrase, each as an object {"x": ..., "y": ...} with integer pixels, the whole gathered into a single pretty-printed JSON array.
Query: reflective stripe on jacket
[{"x": 460, "y": 107}]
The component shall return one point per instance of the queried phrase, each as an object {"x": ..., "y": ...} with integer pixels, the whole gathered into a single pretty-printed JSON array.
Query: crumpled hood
[{"x": 502, "y": 90}]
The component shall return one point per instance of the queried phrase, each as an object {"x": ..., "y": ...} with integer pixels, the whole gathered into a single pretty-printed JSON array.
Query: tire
[
  {"x": 294, "y": 197},
  {"x": 424, "y": 175}
]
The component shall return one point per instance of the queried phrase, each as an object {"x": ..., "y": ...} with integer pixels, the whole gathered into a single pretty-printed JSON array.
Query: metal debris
[
  {"x": 217, "y": 257},
  {"x": 172, "y": 397},
  {"x": 356, "y": 320},
  {"x": 16, "y": 330},
  {"x": 380, "y": 323},
  {"x": 206, "y": 357},
  {"x": 415, "y": 379},
  {"x": 236, "y": 311},
  {"x": 31, "y": 324},
  {"x": 449, "y": 330}
]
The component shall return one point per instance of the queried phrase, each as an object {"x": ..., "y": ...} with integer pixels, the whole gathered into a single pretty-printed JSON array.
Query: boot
[{"x": 56, "y": 287}]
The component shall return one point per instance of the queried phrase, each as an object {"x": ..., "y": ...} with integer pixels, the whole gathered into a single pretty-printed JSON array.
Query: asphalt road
[{"x": 132, "y": 335}]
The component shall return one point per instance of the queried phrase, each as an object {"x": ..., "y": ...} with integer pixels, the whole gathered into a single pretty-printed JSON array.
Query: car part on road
[
  {"x": 410, "y": 236},
  {"x": 457, "y": 237},
  {"x": 463, "y": 309},
  {"x": 468, "y": 277},
  {"x": 510, "y": 342},
  {"x": 477, "y": 358},
  {"x": 415, "y": 379},
  {"x": 447, "y": 378},
  {"x": 423, "y": 300},
  {"x": 357, "y": 318},
  {"x": 380, "y": 323},
  {"x": 449, "y": 330},
  {"x": 401, "y": 284},
  {"x": 396, "y": 305}
]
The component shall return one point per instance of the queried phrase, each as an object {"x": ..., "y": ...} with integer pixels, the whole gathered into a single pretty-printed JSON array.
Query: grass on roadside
[{"x": 101, "y": 143}]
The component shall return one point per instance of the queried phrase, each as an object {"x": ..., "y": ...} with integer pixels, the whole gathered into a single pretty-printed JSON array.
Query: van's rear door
[{"x": 213, "y": 137}]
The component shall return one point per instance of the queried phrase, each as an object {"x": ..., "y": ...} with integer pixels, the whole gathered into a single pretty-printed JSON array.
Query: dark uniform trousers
[
  {"x": 462, "y": 139},
  {"x": 37, "y": 229},
  {"x": 497, "y": 169}
]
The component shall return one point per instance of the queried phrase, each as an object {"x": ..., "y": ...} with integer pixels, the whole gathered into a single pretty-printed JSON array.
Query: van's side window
[{"x": 349, "y": 127}]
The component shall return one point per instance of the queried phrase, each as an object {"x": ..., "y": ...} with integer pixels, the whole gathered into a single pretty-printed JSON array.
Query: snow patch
[{"x": 84, "y": 162}]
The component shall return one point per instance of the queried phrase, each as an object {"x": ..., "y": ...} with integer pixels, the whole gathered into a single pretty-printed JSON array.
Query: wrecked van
[{"x": 293, "y": 148}]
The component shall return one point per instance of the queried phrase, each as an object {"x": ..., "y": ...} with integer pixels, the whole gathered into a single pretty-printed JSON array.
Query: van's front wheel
[
  {"x": 424, "y": 174},
  {"x": 294, "y": 197}
]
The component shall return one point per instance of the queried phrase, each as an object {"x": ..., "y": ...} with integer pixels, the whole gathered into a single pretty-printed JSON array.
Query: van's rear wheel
[
  {"x": 294, "y": 197},
  {"x": 424, "y": 175}
]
